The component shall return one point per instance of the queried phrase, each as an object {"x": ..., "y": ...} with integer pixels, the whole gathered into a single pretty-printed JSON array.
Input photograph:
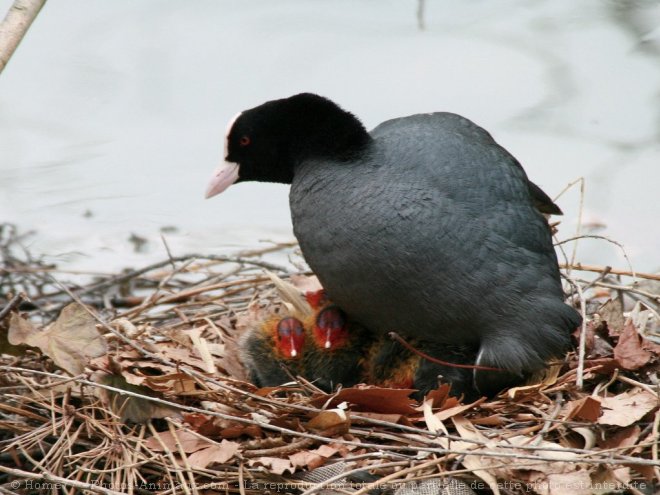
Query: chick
[
  {"x": 271, "y": 348},
  {"x": 390, "y": 364},
  {"x": 336, "y": 348}
]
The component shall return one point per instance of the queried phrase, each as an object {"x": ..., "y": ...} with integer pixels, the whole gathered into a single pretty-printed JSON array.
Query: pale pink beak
[{"x": 223, "y": 177}]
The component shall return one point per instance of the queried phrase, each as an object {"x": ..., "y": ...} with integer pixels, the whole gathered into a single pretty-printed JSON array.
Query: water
[{"x": 112, "y": 113}]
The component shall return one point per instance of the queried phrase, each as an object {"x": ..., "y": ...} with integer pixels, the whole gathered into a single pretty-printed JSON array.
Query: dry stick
[
  {"x": 627, "y": 288},
  {"x": 579, "y": 180},
  {"x": 12, "y": 304},
  {"x": 384, "y": 423},
  {"x": 248, "y": 253},
  {"x": 16, "y": 23},
  {"x": 417, "y": 431},
  {"x": 184, "y": 458},
  {"x": 119, "y": 279},
  {"x": 619, "y": 459},
  {"x": 438, "y": 450},
  {"x": 59, "y": 480},
  {"x": 609, "y": 269},
  {"x": 654, "y": 447},
  {"x": 633, "y": 274}
]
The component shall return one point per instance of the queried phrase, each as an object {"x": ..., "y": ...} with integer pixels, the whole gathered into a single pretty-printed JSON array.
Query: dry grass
[{"x": 164, "y": 408}]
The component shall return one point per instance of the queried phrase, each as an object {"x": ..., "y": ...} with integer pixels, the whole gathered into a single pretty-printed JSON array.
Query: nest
[{"x": 131, "y": 384}]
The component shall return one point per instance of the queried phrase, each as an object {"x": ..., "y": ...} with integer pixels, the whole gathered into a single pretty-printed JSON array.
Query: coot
[{"x": 425, "y": 226}]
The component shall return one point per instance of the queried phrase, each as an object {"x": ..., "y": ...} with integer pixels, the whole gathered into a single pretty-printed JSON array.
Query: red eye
[{"x": 244, "y": 141}]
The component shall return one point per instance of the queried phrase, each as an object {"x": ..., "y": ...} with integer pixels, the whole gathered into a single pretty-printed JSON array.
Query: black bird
[{"x": 424, "y": 225}]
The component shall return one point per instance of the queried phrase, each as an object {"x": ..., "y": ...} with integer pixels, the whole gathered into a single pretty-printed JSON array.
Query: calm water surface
[{"x": 112, "y": 112}]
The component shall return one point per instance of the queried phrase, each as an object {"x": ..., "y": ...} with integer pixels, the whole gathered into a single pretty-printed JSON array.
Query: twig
[
  {"x": 609, "y": 269},
  {"x": 602, "y": 238},
  {"x": 12, "y": 304},
  {"x": 58, "y": 480},
  {"x": 13, "y": 28}
]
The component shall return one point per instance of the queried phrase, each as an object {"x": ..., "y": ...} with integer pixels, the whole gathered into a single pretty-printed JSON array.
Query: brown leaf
[
  {"x": 70, "y": 342},
  {"x": 130, "y": 408},
  {"x": 333, "y": 418},
  {"x": 216, "y": 454},
  {"x": 178, "y": 383},
  {"x": 606, "y": 480},
  {"x": 626, "y": 437},
  {"x": 307, "y": 459},
  {"x": 253, "y": 431},
  {"x": 325, "y": 451},
  {"x": 627, "y": 408},
  {"x": 189, "y": 442},
  {"x": 374, "y": 399},
  {"x": 305, "y": 283},
  {"x": 575, "y": 482},
  {"x": 5, "y": 346},
  {"x": 480, "y": 466},
  {"x": 440, "y": 395},
  {"x": 453, "y": 411},
  {"x": 611, "y": 312},
  {"x": 587, "y": 408},
  {"x": 492, "y": 420},
  {"x": 629, "y": 351},
  {"x": 274, "y": 464},
  {"x": 390, "y": 418}
]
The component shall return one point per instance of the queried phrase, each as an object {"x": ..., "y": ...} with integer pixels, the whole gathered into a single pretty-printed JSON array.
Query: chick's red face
[
  {"x": 331, "y": 328},
  {"x": 290, "y": 337},
  {"x": 317, "y": 299}
]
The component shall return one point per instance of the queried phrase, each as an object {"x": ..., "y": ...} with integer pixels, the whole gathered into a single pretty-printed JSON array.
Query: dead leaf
[
  {"x": 433, "y": 423},
  {"x": 611, "y": 312},
  {"x": 374, "y": 399},
  {"x": 627, "y": 408},
  {"x": 587, "y": 408},
  {"x": 440, "y": 395},
  {"x": 575, "y": 482},
  {"x": 333, "y": 418},
  {"x": 453, "y": 411},
  {"x": 274, "y": 465},
  {"x": 293, "y": 296},
  {"x": 480, "y": 466},
  {"x": 325, "y": 451},
  {"x": 626, "y": 437},
  {"x": 390, "y": 418},
  {"x": 307, "y": 459},
  {"x": 132, "y": 409},
  {"x": 5, "y": 346},
  {"x": 492, "y": 420},
  {"x": 188, "y": 441},
  {"x": 605, "y": 480},
  {"x": 70, "y": 342},
  {"x": 545, "y": 379},
  {"x": 216, "y": 454},
  {"x": 306, "y": 283},
  {"x": 629, "y": 351}
]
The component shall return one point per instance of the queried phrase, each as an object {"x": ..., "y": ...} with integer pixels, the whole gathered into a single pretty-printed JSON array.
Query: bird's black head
[{"x": 266, "y": 143}]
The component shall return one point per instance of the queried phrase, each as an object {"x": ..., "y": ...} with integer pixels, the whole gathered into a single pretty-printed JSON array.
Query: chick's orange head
[
  {"x": 290, "y": 337},
  {"x": 331, "y": 328}
]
